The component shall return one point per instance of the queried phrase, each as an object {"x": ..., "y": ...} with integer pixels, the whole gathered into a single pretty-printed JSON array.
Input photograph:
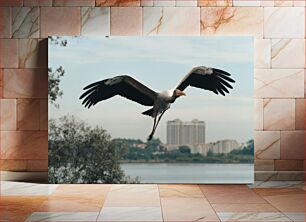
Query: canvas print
[{"x": 151, "y": 110}]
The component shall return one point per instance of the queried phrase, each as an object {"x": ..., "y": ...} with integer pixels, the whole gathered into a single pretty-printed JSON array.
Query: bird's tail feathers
[{"x": 148, "y": 112}]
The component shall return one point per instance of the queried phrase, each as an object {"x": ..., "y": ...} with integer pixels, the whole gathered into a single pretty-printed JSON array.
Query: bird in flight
[{"x": 215, "y": 80}]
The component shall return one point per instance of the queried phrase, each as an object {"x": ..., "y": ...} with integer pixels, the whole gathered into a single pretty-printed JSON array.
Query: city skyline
[
  {"x": 151, "y": 60},
  {"x": 192, "y": 134},
  {"x": 186, "y": 132}
]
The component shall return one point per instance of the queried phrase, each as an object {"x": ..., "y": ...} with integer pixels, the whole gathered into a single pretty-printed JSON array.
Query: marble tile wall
[{"x": 278, "y": 27}]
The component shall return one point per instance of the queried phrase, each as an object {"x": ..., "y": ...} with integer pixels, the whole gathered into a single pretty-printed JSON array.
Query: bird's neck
[{"x": 172, "y": 99}]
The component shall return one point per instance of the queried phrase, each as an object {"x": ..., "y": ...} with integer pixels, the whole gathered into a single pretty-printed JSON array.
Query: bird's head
[{"x": 177, "y": 93}]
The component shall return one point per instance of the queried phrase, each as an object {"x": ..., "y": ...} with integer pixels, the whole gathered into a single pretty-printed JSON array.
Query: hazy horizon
[{"x": 159, "y": 63}]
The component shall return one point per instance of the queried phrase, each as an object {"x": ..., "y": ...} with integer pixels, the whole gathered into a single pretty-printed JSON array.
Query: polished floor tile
[
  {"x": 71, "y": 204},
  {"x": 267, "y": 192},
  {"x": 18, "y": 208},
  {"x": 263, "y": 207},
  {"x": 284, "y": 199},
  {"x": 277, "y": 184},
  {"x": 230, "y": 194},
  {"x": 130, "y": 214},
  {"x": 187, "y": 209},
  {"x": 63, "y": 216},
  {"x": 296, "y": 216},
  {"x": 288, "y": 203},
  {"x": 177, "y": 190},
  {"x": 253, "y": 216},
  {"x": 76, "y": 197},
  {"x": 85, "y": 190},
  {"x": 26, "y": 189},
  {"x": 133, "y": 196},
  {"x": 151, "y": 202}
]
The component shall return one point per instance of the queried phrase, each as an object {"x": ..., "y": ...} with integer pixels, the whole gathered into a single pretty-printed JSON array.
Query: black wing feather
[
  {"x": 215, "y": 80},
  {"x": 124, "y": 86}
]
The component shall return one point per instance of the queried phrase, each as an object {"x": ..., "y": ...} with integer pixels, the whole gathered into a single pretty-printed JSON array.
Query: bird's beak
[{"x": 181, "y": 93}]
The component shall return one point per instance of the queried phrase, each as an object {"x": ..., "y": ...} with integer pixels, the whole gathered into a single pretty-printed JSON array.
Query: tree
[
  {"x": 184, "y": 149},
  {"x": 54, "y": 91},
  {"x": 58, "y": 40},
  {"x": 209, "y": 153},
  {"x": 79, "y": 153},
  {"x": 54, "y": 76},
  {"x": 153, "y": 145}
]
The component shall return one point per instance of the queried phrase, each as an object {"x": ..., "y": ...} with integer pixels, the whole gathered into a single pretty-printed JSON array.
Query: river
[{"x": 190, "y": 172}]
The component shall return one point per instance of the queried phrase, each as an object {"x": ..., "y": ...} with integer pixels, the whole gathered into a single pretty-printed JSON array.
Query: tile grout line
[
  {"x": 278, "y": 210},
  {"x": 267, "y": 202},
  {"x": 209, "y": 202},
  {"x": 160, "y": 203},
  {"x": 104, "y": 202}
]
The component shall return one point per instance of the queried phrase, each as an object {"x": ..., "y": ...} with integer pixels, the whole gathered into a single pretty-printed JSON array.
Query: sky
[{"x": 159, "y": 63}]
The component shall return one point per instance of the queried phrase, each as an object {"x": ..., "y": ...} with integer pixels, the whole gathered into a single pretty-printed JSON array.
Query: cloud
[{"x": 189, "y": 50}]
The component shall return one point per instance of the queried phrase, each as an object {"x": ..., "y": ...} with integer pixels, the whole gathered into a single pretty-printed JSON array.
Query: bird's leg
[
  {"x": 159, "y": 118},
  {"x": 153, "y": 130},
  {"x": 155, "y": 125}
]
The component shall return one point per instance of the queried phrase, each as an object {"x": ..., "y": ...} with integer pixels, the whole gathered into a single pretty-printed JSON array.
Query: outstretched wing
[
  {"x": 215, "y": 80},
  {"x": 125, "y": 86}
]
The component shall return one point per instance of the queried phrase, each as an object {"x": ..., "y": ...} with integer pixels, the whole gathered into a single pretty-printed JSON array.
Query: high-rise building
[
  {"x": 192, "y": 134},
  {"x": 185, "y": 133},
  {"x": 223, "y": 146},
  {"x": 173, "y": 132}
]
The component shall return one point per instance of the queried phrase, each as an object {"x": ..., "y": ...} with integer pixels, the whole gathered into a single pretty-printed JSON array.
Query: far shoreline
[{"x": 181, "y": 163}]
